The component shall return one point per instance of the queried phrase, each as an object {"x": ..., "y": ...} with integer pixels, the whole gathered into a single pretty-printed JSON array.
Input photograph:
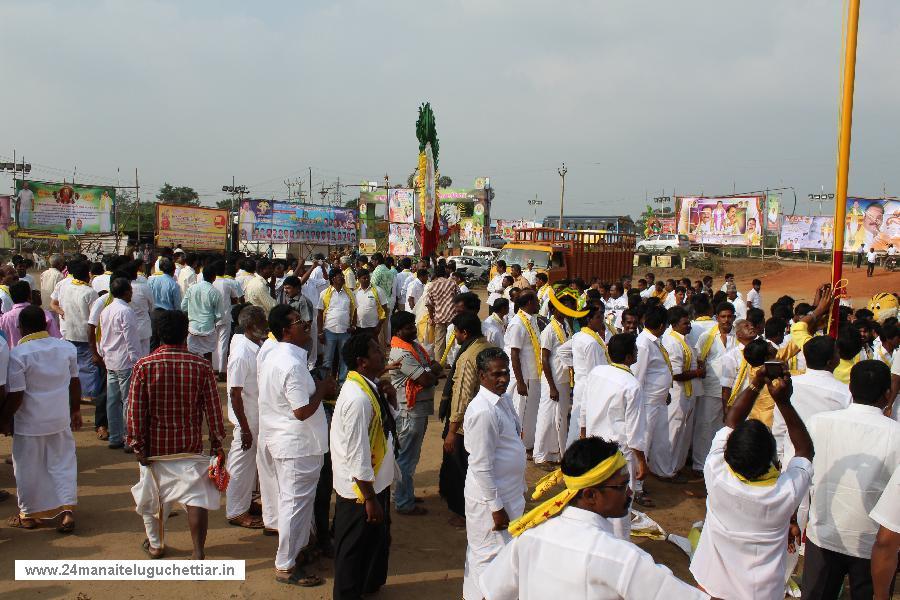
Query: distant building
[{"x": 607, "y": 223}]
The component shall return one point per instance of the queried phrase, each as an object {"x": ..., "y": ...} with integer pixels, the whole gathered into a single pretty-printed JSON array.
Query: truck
[{"x": 565, "y": 254}]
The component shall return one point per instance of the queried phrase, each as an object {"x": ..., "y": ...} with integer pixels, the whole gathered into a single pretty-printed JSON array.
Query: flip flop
[
  {"x": 298, "y": 578},
  {"x": 66, "y": 526},
  {"x": 269, "y": 531},
  {"x": 247, "y": 521},
  {"x": 4, "y": 495},
  {"x": 145, "y": 546},
  {"x": 17, "y": 521},
  {"x": 643, "y": 500}
]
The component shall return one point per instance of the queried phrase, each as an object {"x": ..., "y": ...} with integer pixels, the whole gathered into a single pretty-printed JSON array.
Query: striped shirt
[
  {"x": 171, "y": 389},
  {"x": 439, "y": 298}
]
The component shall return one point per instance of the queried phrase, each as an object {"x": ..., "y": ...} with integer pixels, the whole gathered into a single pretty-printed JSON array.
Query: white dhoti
[
  {"x": 552, "y": 424},
  {"x": 527, "y": 409},
  {"x": 312, "y": 354},
  {"x": 708, "y": 419},
  {"x": 201, "y": 343},
  {"x": 657, "y": 437},
  {"x": 483, "y": 543},
  {"x": 46, "y": 472},
  {"x": 681, "y": 428},
  {"x": 242, "y": 469},
  {"x": 268, "y": 485},
  {"x": 297, "y": 480},
  {"x": 577, "y": 408},
  {"x": 169, "y": 479},
  {"x": 220, "y": 353},
  {"x": 145, "y": 347}
]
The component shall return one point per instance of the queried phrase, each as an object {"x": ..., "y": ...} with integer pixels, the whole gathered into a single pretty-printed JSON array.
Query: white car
[
  {"x": 473, "y": 268},
  {"x": 664, "y": 243}
]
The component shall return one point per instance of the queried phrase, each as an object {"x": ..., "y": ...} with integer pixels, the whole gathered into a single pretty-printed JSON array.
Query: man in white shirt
[
  {"x": 43, "y": 396},
  {"x": 50, "y": 278},
  {"x": 400, "y": 282},
  {"x": 857, "y": 449},
  {"x": 556, "y": 390},
  {"x": 494, "y": 326},
  {"x": 142, "y": 304},
  {"x": 243, "y": 413},
  {"x": 495, "y": 479},
  {"x": 495, "y": 285},
  {"x": 256, "y": 288},
  {"x": 887, "y": 543},
  {"x": 754, "y": 299},
  {"x": 573, "y": 554},
  {"x": 740, "y": 307},
  {"x": 523, "y": 345},
  {"x": 588, "y": 350},
  {"x": 336, "y": 319},
  {"x": 120, "y": 347},
  {"x": 709, "y": 412},
  {"x": 617, "y": 303},
  {"x": 295, "y": 435},
  {"x": 100, "y": 283},
  {"x": 687, "y": 374},
  {"x": 653, "y": 371},
  {"x": 188, "y": 274},
  {"x": 75, "y": 299},
  {"x": 415, "y": 287},
  {"x": 750, "y": 502},
  {"x": 371, "y": 308},
  {"x": 362, "y": 461},
  {"x": 615, "y": 411},
  {"x": 229, "y": 293},
  {"x": 530, "y": 274},
  {"x": 871, "y": 260},
  {"x": 815, "y": 391}
]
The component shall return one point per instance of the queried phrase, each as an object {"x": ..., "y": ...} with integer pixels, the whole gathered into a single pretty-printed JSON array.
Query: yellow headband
[
  {"x": 576, "y": 314},
  {"x": 556, "y": 504}
]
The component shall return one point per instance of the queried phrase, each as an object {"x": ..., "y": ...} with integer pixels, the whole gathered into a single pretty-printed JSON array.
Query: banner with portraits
[
  {"x": 720, "y": 221},
  {"x": 62, "y": 208},
  {"x": 286, "y": 223}
]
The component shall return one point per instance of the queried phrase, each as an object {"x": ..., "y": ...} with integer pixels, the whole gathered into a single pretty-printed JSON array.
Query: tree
[
  {"x": 183, "y": 195},
  {"x": 127, "y": 212},
  {"x": 352, "y": 203},
  {"x": 226, "y": 204}
]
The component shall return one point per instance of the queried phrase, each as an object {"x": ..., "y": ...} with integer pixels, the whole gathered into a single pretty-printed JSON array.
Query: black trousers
[
  {"x": 322, "y": 504},
  {"x": 859, "y": 258},
  {"x": 361, "y": 548},
  {"x": 452, "y": 478},
  {"x": 870, "y": 270},
  {"x": 824, "y": 571},
  {"x": 100, "y": 419}
]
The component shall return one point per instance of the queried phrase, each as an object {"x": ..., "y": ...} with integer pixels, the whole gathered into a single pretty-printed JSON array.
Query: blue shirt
[
  {"x": 166, "y": 293},
  {"x": 203, "y": 305}
]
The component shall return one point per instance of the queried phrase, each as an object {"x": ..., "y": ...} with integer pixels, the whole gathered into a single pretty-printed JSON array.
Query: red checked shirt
[
  {"x": 439, "y": 297},
  {"x": 171, "y": 389}
]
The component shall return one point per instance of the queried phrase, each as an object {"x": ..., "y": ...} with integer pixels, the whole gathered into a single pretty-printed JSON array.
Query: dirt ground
[{"x": 427, "y": 555}]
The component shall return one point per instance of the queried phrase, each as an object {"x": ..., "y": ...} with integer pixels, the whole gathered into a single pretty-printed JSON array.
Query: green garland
[{"x": 426, "y": 131}]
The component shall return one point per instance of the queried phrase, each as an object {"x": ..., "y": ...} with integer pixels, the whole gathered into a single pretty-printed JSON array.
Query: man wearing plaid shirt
[
  {"x": 441, "y": 309},
  {"x": 171, "y": 390}
]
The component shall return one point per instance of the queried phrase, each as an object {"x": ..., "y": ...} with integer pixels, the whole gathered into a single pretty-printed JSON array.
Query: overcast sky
[{"x": 636, "y": 97}]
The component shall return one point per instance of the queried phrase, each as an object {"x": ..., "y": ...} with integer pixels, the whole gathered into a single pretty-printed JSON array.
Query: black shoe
[
  {"x": 116, "y": 445},
  {"x": 129, "y": 450}
]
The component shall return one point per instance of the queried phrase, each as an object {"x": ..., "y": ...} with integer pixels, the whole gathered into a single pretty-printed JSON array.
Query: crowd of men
[{"x": 332, "y": 370}]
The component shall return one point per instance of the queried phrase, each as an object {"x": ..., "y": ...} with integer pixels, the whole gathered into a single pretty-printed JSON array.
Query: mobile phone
[{"x": 774, "y": 369}]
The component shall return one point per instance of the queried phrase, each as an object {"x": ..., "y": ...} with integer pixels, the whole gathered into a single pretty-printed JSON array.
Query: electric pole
[{"x": 562, "y": 193}]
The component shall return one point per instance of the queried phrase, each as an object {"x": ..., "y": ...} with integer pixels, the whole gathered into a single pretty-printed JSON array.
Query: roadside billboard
[
  {"x": 806, "y": 233},
  {"x": 193, "y": 227},
  {"x": 286, "y": 223},
  {"x": 720, "y": 221},
  {"x": 62, "y": 208}
]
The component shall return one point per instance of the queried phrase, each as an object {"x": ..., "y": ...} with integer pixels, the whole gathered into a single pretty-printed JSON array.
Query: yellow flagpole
[{"x": 843, "y": 162}]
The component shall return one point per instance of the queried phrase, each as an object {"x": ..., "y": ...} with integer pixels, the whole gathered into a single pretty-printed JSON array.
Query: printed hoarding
[
  {"x": 63, "y": 208},
  {"x": 401, "y": 206},
  {"x": 874, "y": 223},
  {"x": 726, "y": 221},
  {"x": 284, "y": 223},
  {"x": 806, "y": 233},
  {"x": 402, "y": 239},
  {"x": 193, "y": 227}
]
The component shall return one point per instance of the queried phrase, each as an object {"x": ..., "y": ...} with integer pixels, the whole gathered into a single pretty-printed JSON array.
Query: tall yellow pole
[{"x": 843, "y": 163}]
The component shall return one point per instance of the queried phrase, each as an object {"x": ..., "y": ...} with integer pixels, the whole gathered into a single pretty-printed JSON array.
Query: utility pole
[
  {"x": 535, "y": 203},
  {"x": 562, "y": 193},
  {"x": 137, "y": 196},
  {"x": 234, "y": 190}
]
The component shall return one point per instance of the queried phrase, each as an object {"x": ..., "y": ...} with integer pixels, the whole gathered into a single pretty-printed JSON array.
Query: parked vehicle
[
  {"x": 664, "y": 243},
  {"x": 471, "y": 267},
  {"x": 564, "y": 254},
  {"x": 480, "y": 252}
]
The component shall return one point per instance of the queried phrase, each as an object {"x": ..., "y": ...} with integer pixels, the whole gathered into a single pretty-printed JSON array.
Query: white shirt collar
[
  {"x": 865, "y": 408},
  {"x": 489, "y": 395},
  {"x": 585, "y": 516}
]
